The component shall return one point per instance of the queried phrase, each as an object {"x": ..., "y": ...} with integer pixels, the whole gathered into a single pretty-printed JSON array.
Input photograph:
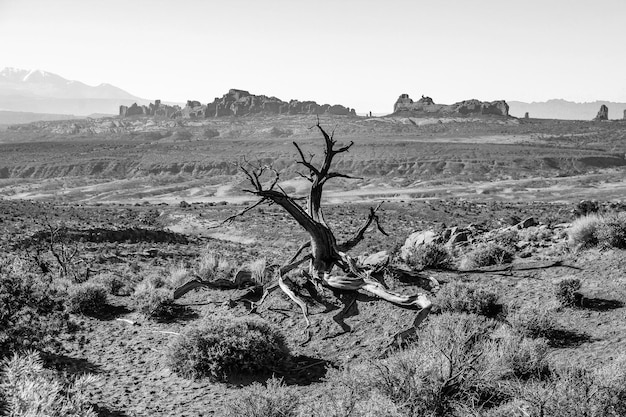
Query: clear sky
[{"x": 361, "y": 54}]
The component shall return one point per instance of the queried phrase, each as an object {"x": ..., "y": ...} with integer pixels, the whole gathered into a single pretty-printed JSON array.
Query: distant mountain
[
  {"x": 43, "y": 92},
  {"x": 566, "y": 110},
  {"x": 16, "y": 117}
]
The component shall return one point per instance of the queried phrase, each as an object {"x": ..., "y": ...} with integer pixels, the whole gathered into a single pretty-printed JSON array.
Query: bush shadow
[
  {"x": 600, "y": 304},
  {"x": 69, "y": 365},
  {"x": 297, "y": 370},
  {"x": 564, "y": 338},
  {"x": 104, "y": 411}
]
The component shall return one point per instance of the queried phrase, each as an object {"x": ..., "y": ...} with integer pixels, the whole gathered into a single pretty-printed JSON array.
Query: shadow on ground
[
  {"x": 70, "y": 365},
  {"x": 563, "y": 338},
  {"x": 601, "y": 304}
]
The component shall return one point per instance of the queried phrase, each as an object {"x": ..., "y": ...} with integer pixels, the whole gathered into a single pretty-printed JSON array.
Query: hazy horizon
[{"x": 361, "y": 54}]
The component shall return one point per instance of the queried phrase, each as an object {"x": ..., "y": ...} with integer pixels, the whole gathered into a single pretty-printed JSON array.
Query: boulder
[
  {"x": 417, "y": 239},
  {"x": 603, "y": 113}
]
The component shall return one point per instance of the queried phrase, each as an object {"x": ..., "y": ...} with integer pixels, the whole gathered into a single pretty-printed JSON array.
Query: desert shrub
[
  {"x": 28, "y": 389},
  {"x": 349, "y": 392},
  {"x": 566, "y": 292},
  {"x": 183, "y": 135},
  {"x": 611, "y": 232},
  {"x": 220, "y": 348},
  {"x": 31, "y": 310},
  {"x": 430, "y": 255},
  {"x": 508, "y": 238},
  {"x": 459, "y": 297},
  {"x": 520, "y": 357},
  {"x": 573, "y": 391},
  {"x": 444, "y": 369},
  {"x": 582, "y": 233},
  {"x": 273, "y": 400},
  {"x": 210, "y": 133},
  {"x": 487, "y": 254},
  {"x": 156, "y": 303},
  {"x": 212, "y": 266},
  {"x": 586, "y": 207},
  {"x": 87, "y": 298},
  {"x": 112, "y": 283},
  {"x": 533, "y": 322},
  {"x": 277, "y": 132}
]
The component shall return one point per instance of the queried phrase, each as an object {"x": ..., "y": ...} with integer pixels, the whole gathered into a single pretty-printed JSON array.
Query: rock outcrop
[
  {"x": 241, "y": 102},
  {"x": 603, "y": 113},
  {"x": 236, "y": 103},
  {"x": 426, "y": 105},
  {"x": 154, "y": 109}
]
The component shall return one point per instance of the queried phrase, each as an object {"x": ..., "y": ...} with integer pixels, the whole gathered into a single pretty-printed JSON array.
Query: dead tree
[{"x": 329, "y": 265}]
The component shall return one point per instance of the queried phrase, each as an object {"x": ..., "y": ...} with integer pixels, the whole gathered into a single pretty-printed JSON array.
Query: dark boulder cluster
[
  {"x": 154, "y": 109},
  {"x": 237, "y": 103},
  {"x": 426, "y": 105}
]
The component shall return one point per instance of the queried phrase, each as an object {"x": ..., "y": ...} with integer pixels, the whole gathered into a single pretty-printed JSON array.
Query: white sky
[{"x": 361, "y": 54}]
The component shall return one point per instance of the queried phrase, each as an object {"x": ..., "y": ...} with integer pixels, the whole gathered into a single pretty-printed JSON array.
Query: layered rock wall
[{"x": 405, "y": 104}]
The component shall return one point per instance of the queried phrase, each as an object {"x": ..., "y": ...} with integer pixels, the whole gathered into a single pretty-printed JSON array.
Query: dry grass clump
[
  {"x": 566, "y": 292},
  {"x": 459, "y": 297},
  {"x": 272, "y": 400},
  {"x": 486, "y": 254},
  {"x": 88, "y": 298},
  {"x": 221, "y": 348},
  {"x": 260, "y": 272},
  {"x": 430, "y": 255},
  {"x": 32, "y": 310},
  {"x": 178, "y": 275},
  {"x": 212, "y": 266},
  {"x": 27, "y": 389}
]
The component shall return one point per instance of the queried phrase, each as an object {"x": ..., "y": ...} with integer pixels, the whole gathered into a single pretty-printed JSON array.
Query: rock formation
[
  {"x": 154, "y": 109},
  {"x": 236, "y": 103},
  {"x": 603, "y": 113},
  {"x": 468, "y": 107}
]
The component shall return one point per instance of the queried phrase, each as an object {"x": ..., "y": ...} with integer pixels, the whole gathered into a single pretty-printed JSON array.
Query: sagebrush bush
[
  {"x": 28, "y": 389},
  {"x": 487, "y": 254},
  {"x": 220, "y": 348},
  {"x": 611, "y": 232},
  {"x": 520, "y": 357},
  {"x": 32, "y": 310},
  {"x": 273, "y": 400},
  {"x": 533, "y": 322},
  {"x": 460, "y": 297},
  {"x": 573, "y": 391},
  {"x": 429, "y": 255},
  {"x": 210, "y": 133},
  {"x": 566, "y": 292},
  {"x": 155, "y": 303},
  {"x": 87, "y": 298},
  {"x": 582, "y": 232},
  {"x": 508, "y": 238},
  {"x": 112, "y": 283}
]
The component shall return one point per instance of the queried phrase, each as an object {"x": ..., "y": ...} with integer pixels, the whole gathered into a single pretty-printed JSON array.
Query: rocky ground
[{"x": 126, "y": 350}]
